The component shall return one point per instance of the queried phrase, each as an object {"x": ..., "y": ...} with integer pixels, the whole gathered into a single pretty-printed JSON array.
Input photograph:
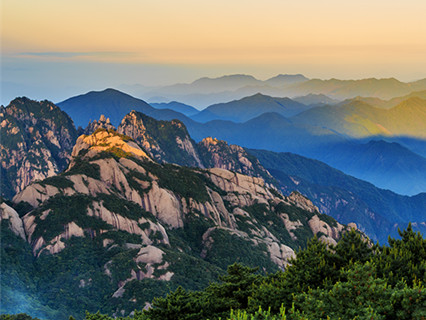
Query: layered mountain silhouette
[
  {"x": 326, "y": 133},
  {"x": 343, "y": 89},
  {"x": 207, "y": 91},
  {"x": 250, "y": 107},
  {"x": 359, "y": 119},
  {"x": 387, "y": 165},
  {"x": 178, "y": 107}
]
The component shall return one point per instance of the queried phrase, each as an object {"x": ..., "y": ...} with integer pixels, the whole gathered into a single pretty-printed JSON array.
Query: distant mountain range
[
  {"x": 359, "y": 119},
  {"x": 207, "y": 91},
  {"x": 329, "y": 133},
  {"x": 250, "y": 107},
  {"x": 177, "y": 106}
]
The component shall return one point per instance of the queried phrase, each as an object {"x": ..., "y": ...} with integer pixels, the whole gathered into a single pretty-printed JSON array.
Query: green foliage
[
  {"x": 182, "y": 181},
  {"x": 347, "y": 300},
  {"x": 123, "y": 207},
  {"x": 121, "y": 237},
  {"x": 352, "y": 248},
  {"x": 133, "y": 177},
  {"x": 122, "y": 264},
  {"x": 19, "y": 316},
  {"x": 64, "y": 210},
  {"x": 59, "y": 182},
  {"x": 84, "y": 167},
  {"x": 214, "y": 302},
  {"x": 403, "y": 259},
  {"x": 228, "y": 248},
  {"x": 265, "y": 217},
  {"x": 22, "y": 208}
]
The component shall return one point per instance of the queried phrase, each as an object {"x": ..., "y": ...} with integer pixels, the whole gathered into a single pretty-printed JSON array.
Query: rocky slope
[
  {"x": 36, "y": 143},
  {"x": 162, "y": 222},
  {"x": 166, "y": 141}
]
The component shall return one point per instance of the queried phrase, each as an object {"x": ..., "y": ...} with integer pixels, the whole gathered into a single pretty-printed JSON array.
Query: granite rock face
[{"x": 36, "y": 143}]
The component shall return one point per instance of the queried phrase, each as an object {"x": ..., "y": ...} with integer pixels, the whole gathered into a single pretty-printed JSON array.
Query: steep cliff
[
  {"x": 216, "y": 153},
  {"x": 36, "y": 143},
  {"x": 166, "y": 141}
]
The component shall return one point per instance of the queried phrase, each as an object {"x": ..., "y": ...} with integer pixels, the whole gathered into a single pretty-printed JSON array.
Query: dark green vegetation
[
  {"x": 340, "y": 195},
  {"x": 352, "y": 280}
]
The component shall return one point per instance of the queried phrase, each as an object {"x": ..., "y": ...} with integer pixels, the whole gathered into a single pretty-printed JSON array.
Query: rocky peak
[
  {"x": 102, "y": 123},
  {"x": 218, "y": 154},
  {"x": 301, "y": 201},
  {"x": 165, "y": 141},
  {"x": 37, "y": 139},
  {"x": 109, "y": 141}
]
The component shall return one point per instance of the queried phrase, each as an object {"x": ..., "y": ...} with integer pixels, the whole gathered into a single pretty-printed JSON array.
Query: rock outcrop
[
  {"x": 102, "y": 123},
  {"x": 37, "y": 139},
  {"x": 15, "y": 222},
  {"x": 218, "y": 154},
  {"x": 165, "y": 141}
]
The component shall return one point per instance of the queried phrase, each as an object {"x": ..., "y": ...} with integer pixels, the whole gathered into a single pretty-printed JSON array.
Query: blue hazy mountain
[
  {"x": 249, "y": 108},
  {"x": 282, "y": 80},
  {"x": 207, "y": 91},
  {"x": 315, "y": 100},
  {"x": 177, "y": 106},
  {"x": 386, "y": 165},
  {"x": 359, "y": 119},
  {"x": 113, "y": 103},
  {"x": 345, "y": 89}
]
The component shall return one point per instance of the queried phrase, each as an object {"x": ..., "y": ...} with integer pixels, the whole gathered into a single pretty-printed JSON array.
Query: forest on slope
[{"x": 352, "y": 280}]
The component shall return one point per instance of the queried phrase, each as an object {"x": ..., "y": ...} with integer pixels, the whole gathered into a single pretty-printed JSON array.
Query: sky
[{"x": 54, "y": 49}]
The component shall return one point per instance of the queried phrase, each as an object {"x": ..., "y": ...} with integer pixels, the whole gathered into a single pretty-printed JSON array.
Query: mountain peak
[
  {"x": 90, "y": 106},
  {"x": 230, "y": 77},
  {"x": 285, "y": 79},
  {"x": 109, "y": 141}
]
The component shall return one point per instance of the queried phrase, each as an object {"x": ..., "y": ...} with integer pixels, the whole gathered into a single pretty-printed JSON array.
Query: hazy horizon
[{"x": 54, "y": 50}]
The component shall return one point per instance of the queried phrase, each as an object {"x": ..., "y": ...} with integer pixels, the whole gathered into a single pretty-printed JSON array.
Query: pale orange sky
[{"x": 328, "y": 38}]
